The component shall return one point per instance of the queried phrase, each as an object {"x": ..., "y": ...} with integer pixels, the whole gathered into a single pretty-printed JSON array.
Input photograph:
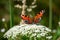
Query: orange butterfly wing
[
  {"x": 38, "y": 17},
  {"x": 26, "y": 19}
]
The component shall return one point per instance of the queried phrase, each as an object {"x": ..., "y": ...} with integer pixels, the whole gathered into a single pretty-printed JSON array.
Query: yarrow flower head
[{"x": 28, "y": 30}]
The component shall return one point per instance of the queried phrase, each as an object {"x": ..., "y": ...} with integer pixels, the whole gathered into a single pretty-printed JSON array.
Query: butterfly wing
[
  {"x": 37, "y": 18},
  {"x": 26, "y": 19}
]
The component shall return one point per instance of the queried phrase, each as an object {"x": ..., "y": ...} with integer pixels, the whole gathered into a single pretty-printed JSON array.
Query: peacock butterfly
[{"x": 35, "y": 19}]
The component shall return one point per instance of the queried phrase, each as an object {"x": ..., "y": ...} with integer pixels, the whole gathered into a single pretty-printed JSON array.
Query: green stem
[
  {"x": 5, "y": 24},
  {"x": 11, "y": 13},
  {"x": 50, "y": 13}
]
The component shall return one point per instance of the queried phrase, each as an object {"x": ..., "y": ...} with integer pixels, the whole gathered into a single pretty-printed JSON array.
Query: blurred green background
[{"x": 6, "y": 12}]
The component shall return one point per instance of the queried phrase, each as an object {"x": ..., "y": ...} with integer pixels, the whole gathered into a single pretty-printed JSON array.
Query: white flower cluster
[
  {"x": 29, "y": 8},
  {"x": 32, "y": 30}
]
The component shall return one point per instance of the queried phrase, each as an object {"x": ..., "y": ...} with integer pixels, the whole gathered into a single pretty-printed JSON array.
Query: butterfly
[{"x": 35, "y": 19}]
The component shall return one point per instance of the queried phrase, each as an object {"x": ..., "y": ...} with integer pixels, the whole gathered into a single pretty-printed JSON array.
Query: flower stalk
[{"x": 11, "y": 13}]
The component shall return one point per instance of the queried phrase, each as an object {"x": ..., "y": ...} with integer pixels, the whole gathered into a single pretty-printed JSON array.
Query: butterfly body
[{"x": 35, "y": 19}]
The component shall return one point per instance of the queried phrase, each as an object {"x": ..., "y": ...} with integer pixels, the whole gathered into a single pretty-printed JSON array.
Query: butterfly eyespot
[{"x": 26, "y": 21}]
